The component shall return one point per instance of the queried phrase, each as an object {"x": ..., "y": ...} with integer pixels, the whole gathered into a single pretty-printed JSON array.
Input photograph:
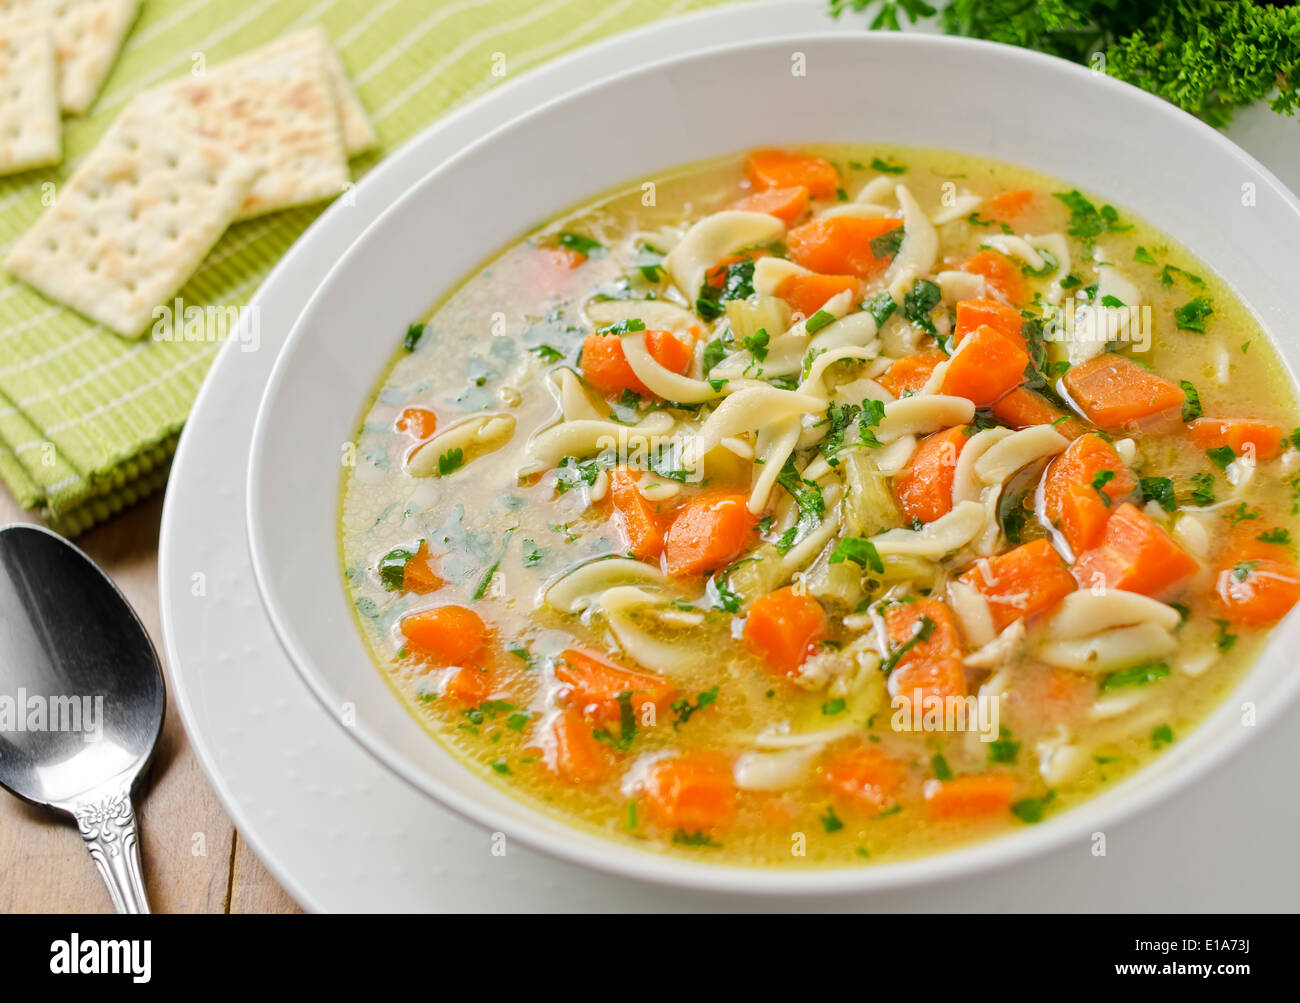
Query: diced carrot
[
  {"x": 783, "y": 628},
  {"x": 595, "y": 684},
  {"x": 449, "y": 635},
  {"x": 607, "y": 369},
  {"x": 419, "y": 575},
  {"x": 1078, "y": 496},
  {"x": 1255, "y": 582},
  {"x": 1056, "y": 694},
  {"x": 808, "y": 293},
  {"x": 1010, "y": 205},
  {"x": 565, "y": 257},
  {"x": 1241, "y": 434},
  {"x": 976, "y": 313},
  {"x": 932, "y": 666},
  {"x": 786, "y": 204},
  {"x": 864, "y": 774},
  {"x": 924, "y": 488},
  {"x": 1001, "y": 275},
  {"x": 1023, "y": 407},
  {"x": 768, "y": 169},
  {"x": 1257, "y": 592},
  {"x": 638, "y": 518},
  {"x": 1028, "y": 580},
  {"x": 975, "y": 796},
  {"x": 418, "y": 422},
  {"x": 695, "y": 792},
  {"x": 469, "y": 685},
  {"x": 1116, "y": 393},
  {"x": 572, "y": 752},
  {"x": 708, "y": 532},
  {"x": 911, "y": 372},
  {"x": 1135, "y": 555},
  {"x": 841, "y": 245},
  {"x": 988, "y": 365}
]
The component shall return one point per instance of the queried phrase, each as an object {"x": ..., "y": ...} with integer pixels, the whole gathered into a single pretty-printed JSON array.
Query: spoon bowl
[{"x": 81, "y": 698}]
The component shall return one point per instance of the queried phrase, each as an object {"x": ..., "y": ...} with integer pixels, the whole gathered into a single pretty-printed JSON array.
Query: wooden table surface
[{"x": 194, "y": 860}]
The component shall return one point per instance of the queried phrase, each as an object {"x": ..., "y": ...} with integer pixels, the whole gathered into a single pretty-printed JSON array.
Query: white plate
[{"x": 309, "y": 801}]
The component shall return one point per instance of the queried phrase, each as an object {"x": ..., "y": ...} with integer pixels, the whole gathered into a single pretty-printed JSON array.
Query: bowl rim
[{"x": 645, "y": 864}]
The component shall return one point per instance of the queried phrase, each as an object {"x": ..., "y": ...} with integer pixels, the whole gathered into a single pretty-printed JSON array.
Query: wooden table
[{"x": 194, "y": 860}]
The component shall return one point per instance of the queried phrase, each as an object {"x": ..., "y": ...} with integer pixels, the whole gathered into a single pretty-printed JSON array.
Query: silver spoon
[{"x": 81, "y": 698}]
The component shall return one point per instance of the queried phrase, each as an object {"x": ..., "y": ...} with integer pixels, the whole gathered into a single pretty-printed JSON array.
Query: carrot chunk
[
  {"x": 841, "y": 245},
  {"x": 783, "y": 628},
  {"x": 1023, "y": 407},
  {"x": 807, "y": 294},
  {"x": 786, "y": 204},
  {"x": 451, "y": 635},
  {"x": 924, "y": 488},
  {"x": 911, "y": 372},
  {"x": 1002, "y": 276},
  {"x": 694, "y": 792},
  {"x": 1004, "y": 319},
  {"x": 708, "y": 532},
  {"x": 418, "y": 575},
  {"x": 469, "y": 685},
  {"x": 1081, "y": 488},
  {"x": 1255, "y": 582},
  {"x": 572, "y": 752},
  {"x": 931, "y": 665},
  {"x": 418, "y": 422},
  {"x": 637, "y": 516},
  {"x": 864, "y": 774},
  {"x": 1012, "y": 204},
  {"x": 607, "y": 369},
  {"x": 1022, "y": 582},
  {"x": 565, "y": 257},
  {"x": 1243, "y": 435},
  {"x": 767, "y": 169},
  {"x": 1115, "y": 392},
  {"x": 1135, "y": 555},
  {"x": 988, "y": 365},
  {"x": 975, "y": 796},
  {"x": 595, "y": 684}
]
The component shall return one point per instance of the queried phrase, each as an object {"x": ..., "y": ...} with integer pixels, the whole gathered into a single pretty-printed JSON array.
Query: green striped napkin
[{"x": 88, "y": 420}]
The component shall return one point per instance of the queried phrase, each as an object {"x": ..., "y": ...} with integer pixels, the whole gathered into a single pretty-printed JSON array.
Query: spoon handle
[{"x": 107, "y": 824}]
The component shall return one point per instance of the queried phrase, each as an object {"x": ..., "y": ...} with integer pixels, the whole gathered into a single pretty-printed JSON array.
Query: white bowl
[{"x": 1010, "y": 104}]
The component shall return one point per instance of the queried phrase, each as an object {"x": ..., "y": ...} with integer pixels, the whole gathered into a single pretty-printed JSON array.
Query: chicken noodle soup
[{"x": 824, "y": 506}]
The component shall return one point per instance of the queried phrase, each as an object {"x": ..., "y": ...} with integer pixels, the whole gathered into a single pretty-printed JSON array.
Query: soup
[{"x": 824, "y": 507}]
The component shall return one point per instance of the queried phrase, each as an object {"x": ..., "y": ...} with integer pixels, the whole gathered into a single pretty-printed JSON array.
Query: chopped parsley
[
  {"x": 888, "y": 243},
  {"x": 881, "y": 308},
  {"x": 1099, "y": 481},
  {"x": 1191, "y": 401},
  {"x": 1191, "y": 316},
  {"x": 1203, "y": 489},
  {"x": 817, "y": 321},
  {"x": 1031, "y": 810},
  {"x": 626, "y": 725},
  {"x": 860, "y": 551},
  {"x": 413, "y": 335},
  {"x": 1159, "y": 490},
  {"x": 1003, "y": 749},
  {"x": 919, "y": 302},
  {"x": 392, "y": 569},
  {"x": 885, "y": 167},
  {"x": 1138, "y": 675},
  {"x": 451, "y": 460},
  {"x": 1221, "y": 456},
  {"x": 922, "y": 632},
  {"x": 684, "y": 709},
  {"x": 581, "y": 245}
]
